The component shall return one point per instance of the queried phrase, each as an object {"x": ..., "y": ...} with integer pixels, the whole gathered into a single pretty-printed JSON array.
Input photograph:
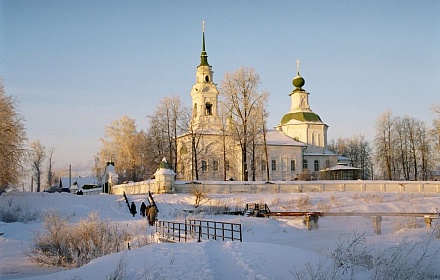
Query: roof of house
[
  {"x": 278, "y": 138},
  {"x": 338, "y": 167},
  {"x": 80, "y": 182}
]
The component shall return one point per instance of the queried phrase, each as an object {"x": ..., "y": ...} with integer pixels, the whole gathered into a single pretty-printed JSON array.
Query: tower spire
[
  {"x": 204, "y": 54},
  {"x": 297, "y": 66}
]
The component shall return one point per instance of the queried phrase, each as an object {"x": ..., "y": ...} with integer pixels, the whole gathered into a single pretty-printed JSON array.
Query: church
[{"x": 296, "y": 149}]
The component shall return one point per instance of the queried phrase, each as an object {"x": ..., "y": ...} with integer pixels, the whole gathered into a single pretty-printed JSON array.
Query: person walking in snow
[
  {"x": 143, "y": 209},
  {"x": 152, "y": 213},
  {"x": 133, "y": 209},
  {"x": 147, "y": 210}
]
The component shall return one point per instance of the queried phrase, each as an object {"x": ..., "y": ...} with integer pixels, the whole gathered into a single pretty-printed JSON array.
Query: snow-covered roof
[
  {"x": 164, "y": 168},
  {"x": 340, "y": 167},
  {"x": 81, "y": 181},
  {"x": 278, "y": 138}
]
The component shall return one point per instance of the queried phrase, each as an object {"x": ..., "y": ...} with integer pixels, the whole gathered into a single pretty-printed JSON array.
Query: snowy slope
[{"x": 271, "y": 248}]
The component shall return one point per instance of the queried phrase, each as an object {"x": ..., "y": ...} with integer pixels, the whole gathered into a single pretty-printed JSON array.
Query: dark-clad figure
[
  {"x": 152, "y": 213},
  {"x": 143, "y": 209},
  {"x": 133, "y": 209}
]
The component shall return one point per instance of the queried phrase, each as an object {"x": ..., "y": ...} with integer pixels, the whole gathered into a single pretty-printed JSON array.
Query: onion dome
[{"x": 298, "y": 82}]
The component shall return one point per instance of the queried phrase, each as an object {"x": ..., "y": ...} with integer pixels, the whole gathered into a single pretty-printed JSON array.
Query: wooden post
[
  {"x": 428, "y": 221},
  {"x": 307, "y": 222},
  {"x": 315, "y": 221},
  {"x": 311, "y": 221},
  {"x": 376, "y": 224}
]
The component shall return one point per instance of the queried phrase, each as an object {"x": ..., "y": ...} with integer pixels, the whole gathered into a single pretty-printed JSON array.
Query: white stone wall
[{"x": 226, "y": 187}]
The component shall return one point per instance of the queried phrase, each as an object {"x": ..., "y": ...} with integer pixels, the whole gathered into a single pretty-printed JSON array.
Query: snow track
[{"x": 227, "y": 262}]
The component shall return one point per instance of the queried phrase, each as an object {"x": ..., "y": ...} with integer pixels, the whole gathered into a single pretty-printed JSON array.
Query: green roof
[
  {"x": 301, "y": 116},
  {"x": 204, "y": 54},
  {"x": 164, "y": 164}
]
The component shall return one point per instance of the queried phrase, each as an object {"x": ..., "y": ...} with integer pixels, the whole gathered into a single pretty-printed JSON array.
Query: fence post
[
  {"x": 376, "y": 224},
  {"x": 200, "y": 233},
  {"x": 428, "y": 221}
]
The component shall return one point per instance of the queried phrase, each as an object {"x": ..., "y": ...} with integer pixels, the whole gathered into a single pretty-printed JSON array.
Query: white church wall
[{"x": 253, "y": 187}]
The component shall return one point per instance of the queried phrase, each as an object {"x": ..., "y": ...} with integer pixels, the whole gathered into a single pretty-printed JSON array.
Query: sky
[
  {"x": 76, "y": 66},
  {"x": 271, "y": 248}
]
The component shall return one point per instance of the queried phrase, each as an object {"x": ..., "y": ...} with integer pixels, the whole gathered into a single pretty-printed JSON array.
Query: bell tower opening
[{"x": 208, "y": 109}]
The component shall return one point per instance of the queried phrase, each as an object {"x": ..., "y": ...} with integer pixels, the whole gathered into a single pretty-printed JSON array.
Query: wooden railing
[
  {"x": 198, "y": 229},
  {"x": 311, "y": 218}
]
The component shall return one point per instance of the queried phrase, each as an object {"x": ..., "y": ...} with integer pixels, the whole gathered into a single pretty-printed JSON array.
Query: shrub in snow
[
  {"x": 351, "y": 258},
  {"x": 370, "y": 198},
  {"x": 408, "y": 260},
  {"x": 200, "y": 196},
  {"x": 404, "y": 223},
  {"x": 65, "y": 244},
  {"x": 12, "y": 212}
]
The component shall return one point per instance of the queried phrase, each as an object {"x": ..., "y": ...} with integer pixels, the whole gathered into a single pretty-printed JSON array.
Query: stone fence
[
  {"x": 142, "y": 187},
  {"x": 227, "y": 187}
]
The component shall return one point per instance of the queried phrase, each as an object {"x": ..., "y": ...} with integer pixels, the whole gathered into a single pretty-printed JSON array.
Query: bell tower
[{"x": 204, "y": 94}]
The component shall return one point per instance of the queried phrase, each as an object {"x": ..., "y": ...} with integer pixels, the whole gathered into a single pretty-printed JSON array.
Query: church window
[
  {"x": 227, "y": 165},
  {"x": 215, "y": 165},
  {"x": 263, "y": 165},
  {"x": 305, "y": 164},
  {"x": 208, "y": 107},
  {"x": 204, "y": 165},
  {"x": 207, "y": 78},
  {"x": 327, "y": 164},
  {"x": 316, "y": 165},
  {"x": 292, "y": 165},
  {"x": 274, "y": 165},
  {"x": 195, "y": 110},
  {"x": 315, "y": 139}
]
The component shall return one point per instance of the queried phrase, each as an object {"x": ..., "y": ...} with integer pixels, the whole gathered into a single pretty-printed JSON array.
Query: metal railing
[{"x": 198, "y": 229}]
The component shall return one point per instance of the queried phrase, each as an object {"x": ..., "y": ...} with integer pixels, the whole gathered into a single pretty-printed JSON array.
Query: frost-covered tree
[
  {"x": 384, "y": 144},
  {"x": 358, "y": 150},
  {"x": 435, "y": 132},
  {"x": 241, "y": 94},
  {"x": 38, "y": 154},
  {"x": 125, "y": 146},
  {"x": 50, "y": 174},
  {"x": 166, "y": 123},
  {"x": 403, "y": 147},
  {"x": 12, "y": 141}
]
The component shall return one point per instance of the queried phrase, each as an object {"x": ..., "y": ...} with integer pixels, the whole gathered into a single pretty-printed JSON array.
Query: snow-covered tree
[
  {"x": 125, "y": 146},
  {"x": 38, "y": 154},
  {"x": 241, "y": 94},
  {"x": 12, "y": 141}
]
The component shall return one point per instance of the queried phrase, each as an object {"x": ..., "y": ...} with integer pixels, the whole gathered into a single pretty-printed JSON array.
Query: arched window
[
  {"x": 292, "y": 165},
  {"x": 208, "y": 108},
  {"x": 315, "y": 139},
  {"x": 274, "y": 165},
  {"x": 215, "y": 165},
  {"x": 207, "y": 78},
  {"x": 305, "y": 164},
  {"x": 316, "y": 165}
]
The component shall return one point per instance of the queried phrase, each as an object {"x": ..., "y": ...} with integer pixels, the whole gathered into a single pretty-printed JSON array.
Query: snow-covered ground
[{"x": 272, "y": 248}]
